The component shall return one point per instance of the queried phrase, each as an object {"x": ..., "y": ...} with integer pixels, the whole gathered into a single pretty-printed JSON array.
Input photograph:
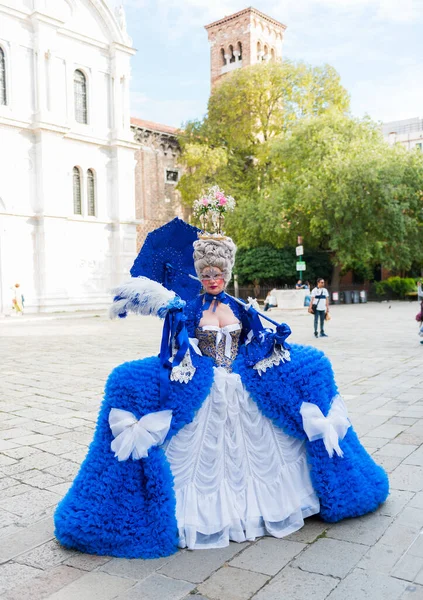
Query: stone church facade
[{"x": 67, "y": 197}]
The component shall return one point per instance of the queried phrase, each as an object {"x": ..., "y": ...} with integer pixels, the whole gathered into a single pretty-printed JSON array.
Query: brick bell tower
[{"x": 242, "y": 39}]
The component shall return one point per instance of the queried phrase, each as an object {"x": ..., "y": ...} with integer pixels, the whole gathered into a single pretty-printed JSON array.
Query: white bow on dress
[
  {"x": 136, "y": 437},
  {"x": 331, "y": 428}
]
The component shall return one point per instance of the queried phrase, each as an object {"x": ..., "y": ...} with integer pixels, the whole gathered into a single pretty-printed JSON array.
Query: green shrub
[
  {"x": 396, "y": 287},
  {"x": 276, "y": 266}
]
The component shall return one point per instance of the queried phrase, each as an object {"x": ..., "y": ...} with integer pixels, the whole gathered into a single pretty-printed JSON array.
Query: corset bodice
[{"x": 221, "y": 343}]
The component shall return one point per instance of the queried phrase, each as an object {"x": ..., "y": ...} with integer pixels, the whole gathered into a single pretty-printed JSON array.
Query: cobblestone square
[{"x": 52, "y": 376}]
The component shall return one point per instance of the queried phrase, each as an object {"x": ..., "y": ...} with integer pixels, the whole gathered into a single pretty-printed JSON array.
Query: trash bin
[
  {"x": 356, "y": 296},
  {"x": 347, "y": 297},
  {"x": 363, "y": 296},
  {"x": 336, "y": 298}
]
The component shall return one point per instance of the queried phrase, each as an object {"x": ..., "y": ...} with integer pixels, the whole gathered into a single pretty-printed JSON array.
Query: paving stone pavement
[{"x": 52, "y": 375}]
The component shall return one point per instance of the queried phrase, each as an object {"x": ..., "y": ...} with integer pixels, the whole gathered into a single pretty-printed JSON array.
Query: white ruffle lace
[
  {"x": 237, "y": 476},
  {"x": 279, "y": 355}
]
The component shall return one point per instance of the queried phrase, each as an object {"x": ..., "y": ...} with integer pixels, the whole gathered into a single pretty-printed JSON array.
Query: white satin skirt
[{"x": 236, "y": 475}]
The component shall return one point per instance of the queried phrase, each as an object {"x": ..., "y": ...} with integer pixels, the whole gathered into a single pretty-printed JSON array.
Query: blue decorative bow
[
  {"x": 174, "y": 329},
  {"x": 263, "y": 340},
  {"x": 222, "y": 297}
]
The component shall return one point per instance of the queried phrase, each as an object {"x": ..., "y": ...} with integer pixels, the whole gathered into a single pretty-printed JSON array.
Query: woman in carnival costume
[{"x": 230, "y": 434}]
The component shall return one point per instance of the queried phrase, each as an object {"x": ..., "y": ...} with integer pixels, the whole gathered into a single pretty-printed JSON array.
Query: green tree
[
  {"x": 260, "y": 102},
  {"x": 335, "y": 181},
  {"x": 276, "y": 266},
  {"x": 247, "y": 110},
  {"x": 201, "y": 163}
]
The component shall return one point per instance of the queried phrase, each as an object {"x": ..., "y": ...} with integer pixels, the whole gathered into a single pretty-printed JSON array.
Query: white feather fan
[{"x": 143, "y": 296}]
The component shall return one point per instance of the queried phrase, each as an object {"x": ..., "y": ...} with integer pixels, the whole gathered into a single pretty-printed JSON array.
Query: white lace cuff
[
  {"x": 135, "y": 437},
  {"x": 279, "y": 355},
  {"x": 331, "y": 428},
  {"x": 184, "y": 372}
]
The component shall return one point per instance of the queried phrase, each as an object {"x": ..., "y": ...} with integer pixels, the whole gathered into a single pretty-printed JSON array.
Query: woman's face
[{"x": 212, "y": 279}]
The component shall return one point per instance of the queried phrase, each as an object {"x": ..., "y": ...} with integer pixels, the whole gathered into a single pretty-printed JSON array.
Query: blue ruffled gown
[{"x": 236, "y": 463}]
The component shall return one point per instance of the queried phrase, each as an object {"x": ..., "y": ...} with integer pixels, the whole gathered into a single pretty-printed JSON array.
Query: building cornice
[
  {"x": 154, "y": 127},
  {"x": 123, "y": 48},
  {"x": 14, "y": 12},
  {"x": 39, "y": 17},
  {"x": 245, "y": 11},
  {"x": 67, "y": 133},
  {"x": 82, "y": 38},
  {"x": 76, "y": 219},
  {"x": 11, "y": 122},
  {"x": 51, "y": 127}
]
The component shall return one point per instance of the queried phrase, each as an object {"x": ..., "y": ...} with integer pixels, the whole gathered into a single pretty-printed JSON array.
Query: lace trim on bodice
[{"x": 220, "y": 343}]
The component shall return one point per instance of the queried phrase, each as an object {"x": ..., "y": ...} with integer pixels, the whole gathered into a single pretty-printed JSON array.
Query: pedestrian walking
[
  {"x": 319, "y": 306},
  {"x": 18, "y": 300}
]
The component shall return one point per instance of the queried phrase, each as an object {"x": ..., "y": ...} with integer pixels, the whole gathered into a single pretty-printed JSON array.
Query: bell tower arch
[{"x": 245, "y": 38}]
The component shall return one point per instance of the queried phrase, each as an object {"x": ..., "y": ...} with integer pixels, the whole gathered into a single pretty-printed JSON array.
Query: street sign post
[{"x": 299, "y": 251}]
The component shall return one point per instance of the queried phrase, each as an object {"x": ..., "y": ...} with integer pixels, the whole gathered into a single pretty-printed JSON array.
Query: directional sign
[
  {"x": 299, "y": 250},
  {"x": 301, "y": 266}
]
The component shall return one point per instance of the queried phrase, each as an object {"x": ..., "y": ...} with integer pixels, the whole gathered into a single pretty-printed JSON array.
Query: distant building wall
[
  {"x": 407, "y": 132},
  {"x": 157, "y": 173}
]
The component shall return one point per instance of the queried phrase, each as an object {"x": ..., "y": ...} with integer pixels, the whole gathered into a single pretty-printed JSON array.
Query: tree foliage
[
  {"x": 277, "y": 266},
  {"x": 246, "y": 110},
  {"x": 260, "y": 102},
  {"x": 335, "y": 181},
  {"x": 399, "y": 287},
  {"x": 278, "y": 138}
]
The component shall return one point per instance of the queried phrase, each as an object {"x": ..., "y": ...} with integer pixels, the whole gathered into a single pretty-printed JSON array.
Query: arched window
[
  {"x": 272, "y": 54},
  {"x": 259, "y": 52},
  {"x": 77, "y": 203},
  {"x": 266, "y": 52},
  {"x": 91, "y": 193},
  {"x": 239, "y": 48},
  {"x": 231, "y": 54},
  {"x": 222, "y": 54},
  {"x": 3, "y": 90},
  {"x": 80, "y": 95}
]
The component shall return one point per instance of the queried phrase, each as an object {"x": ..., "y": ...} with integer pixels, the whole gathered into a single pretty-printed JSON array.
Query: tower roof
[{"x": 245, "y": 11}]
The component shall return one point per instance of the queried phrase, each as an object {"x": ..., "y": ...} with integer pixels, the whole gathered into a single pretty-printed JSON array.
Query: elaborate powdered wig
[{"x": 212, "y": 252}]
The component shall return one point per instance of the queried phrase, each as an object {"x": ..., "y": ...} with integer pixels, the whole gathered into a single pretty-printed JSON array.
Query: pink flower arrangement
[{"x": 212, "y": 206}]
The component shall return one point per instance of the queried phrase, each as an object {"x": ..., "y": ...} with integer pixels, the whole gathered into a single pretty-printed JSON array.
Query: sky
[{"x": 375, "y": 45}]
